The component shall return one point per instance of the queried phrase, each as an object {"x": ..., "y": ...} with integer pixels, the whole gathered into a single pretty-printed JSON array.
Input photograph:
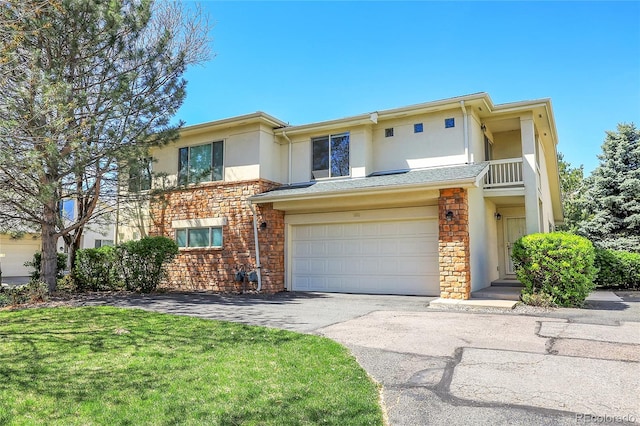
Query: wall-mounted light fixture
[
  {"x": 483, "y": 127},
  {"x": 449, "y": 215},
  {"x": 497, "y": 215},
  {"x": 263, "y": 226}
]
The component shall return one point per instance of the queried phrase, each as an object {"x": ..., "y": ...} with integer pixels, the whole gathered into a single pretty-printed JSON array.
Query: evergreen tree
[
  {"x": 87, "y": 86},
  {"x": 613, "y": 196},
  {"x": 573, "y": 187}
]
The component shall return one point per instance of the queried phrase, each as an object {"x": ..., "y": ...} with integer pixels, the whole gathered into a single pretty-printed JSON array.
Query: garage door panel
[
  {"x": 336, "y": 266},
  {"x": 351, "y": 247},
  {"x": 393, "y": 257},
  {"x": 369, "y": 248}
]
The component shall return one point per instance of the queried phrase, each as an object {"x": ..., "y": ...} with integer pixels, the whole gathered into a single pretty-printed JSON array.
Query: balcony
[{"x": 504, "y": 173}]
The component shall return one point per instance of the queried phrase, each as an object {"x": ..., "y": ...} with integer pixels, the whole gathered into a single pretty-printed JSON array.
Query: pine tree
[
  {"x": 613, "y": 197},
  {"x": 86, "y": 86}
]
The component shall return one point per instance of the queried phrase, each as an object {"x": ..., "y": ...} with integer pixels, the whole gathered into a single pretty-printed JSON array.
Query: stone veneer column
[{"x": 453, "y": 244}]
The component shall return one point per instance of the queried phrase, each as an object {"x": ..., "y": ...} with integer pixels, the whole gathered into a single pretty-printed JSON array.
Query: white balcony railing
[{"x": 502, "y": 173}]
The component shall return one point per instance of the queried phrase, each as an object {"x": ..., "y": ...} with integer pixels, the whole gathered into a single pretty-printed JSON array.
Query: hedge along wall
[{"x": 618, "y": 269}]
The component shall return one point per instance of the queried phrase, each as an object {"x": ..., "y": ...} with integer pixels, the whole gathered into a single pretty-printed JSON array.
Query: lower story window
[
  {"x": 199, "y": 237},
  {"x": 99, "y": 243}
]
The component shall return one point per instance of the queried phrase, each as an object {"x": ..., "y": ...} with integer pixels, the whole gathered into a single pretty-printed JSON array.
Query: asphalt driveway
[{"x": 456, "y": 367}]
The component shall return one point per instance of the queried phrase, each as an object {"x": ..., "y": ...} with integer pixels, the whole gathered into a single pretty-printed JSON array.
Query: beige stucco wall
[
  {"x": 507, "y": 145},
  {"x": 482, "y": 240},
  {"x": 545, "y": 193},
  {"x": 370, "y": 151},
  {"x": 435, "y": 146},
  {"x": 243, "y": 147},
  {"x": 476, "y": 139},
  {"x": 271, "y": 165}
]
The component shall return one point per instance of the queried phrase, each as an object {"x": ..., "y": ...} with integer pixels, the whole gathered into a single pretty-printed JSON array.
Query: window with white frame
[
  {"x": 330, "y": 156},
  {"x": 200, "y": 163},
  {"x": 199, "y": 237}
]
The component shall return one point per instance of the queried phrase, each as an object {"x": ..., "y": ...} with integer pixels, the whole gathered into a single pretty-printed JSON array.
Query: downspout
[
  {"x": 465, "y": 128},
  {"x": 255, "y": 236},
  {"x": 289, "y": 159}
]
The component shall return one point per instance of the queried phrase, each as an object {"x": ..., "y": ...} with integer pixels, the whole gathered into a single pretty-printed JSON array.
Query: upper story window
[
  {"x": 330, "y": 156},
  {"x": 449, "y": 123},
  {"x": 388, "y": 132},
  {"x": 140, "y": 175},
  {"x": 200, "y": 163},
  {"x": 418, "y": 128}
]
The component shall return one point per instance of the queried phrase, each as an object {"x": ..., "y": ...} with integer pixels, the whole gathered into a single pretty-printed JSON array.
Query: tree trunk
[
  {"x": 73, "y": 251},
  {"x": 48, "y": 265}
]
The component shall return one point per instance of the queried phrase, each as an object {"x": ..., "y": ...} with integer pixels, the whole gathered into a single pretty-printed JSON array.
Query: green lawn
[{"x": 114, "y": 366}]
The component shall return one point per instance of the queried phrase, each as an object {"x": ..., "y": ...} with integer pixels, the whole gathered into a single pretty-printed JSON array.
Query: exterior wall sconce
[
  {"x": 498, "y": 216},
  {"x": 263, "y": 226},
  {"x": 483, "y": 127},
  {"x": 449, "y": 215}
]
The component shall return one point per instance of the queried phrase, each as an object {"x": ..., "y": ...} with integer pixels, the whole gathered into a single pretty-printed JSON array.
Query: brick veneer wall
[
  {"x": 215, "y": 269},
  {"x": 453, "y": 242}
]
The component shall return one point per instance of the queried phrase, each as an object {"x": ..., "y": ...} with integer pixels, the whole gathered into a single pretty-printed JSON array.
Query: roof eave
[
  {"x": 464, "y": 183},
  {"x": 256, "y": 117}
]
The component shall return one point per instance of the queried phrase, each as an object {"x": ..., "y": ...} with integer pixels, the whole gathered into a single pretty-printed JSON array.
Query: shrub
[
  {"x": 61, "y": 265},
  {"x": 141, "y": 263},
  {"x": 619, "y": 269},
  {"x": 4, "y": 298},
  {"x": 538, "y": 299},
  {"x": 95, "y": 270},
  {"x": 558, "y": 264},
  {"x": 33, "y": 292}
]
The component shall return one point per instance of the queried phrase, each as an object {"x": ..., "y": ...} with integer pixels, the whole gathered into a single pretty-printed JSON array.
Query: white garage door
[
  {"x": 395, "y": 257},
  {"x": 16, "y": 253}
]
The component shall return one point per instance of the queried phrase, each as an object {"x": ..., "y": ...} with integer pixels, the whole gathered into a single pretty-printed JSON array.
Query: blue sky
[{"x": 311, "y": 61}]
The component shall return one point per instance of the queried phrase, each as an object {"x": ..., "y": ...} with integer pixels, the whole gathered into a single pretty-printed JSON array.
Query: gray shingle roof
[{"x": 433, "y": 177}]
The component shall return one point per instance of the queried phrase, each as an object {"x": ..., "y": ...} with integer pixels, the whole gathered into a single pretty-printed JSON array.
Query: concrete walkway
[{"x": 448, "y": 367}]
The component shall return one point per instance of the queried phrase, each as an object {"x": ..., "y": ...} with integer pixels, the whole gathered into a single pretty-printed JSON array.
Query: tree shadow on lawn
[{"x": 79, "y": 360}]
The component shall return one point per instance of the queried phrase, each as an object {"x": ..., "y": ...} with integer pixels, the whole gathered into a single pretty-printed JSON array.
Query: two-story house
[{"x": 425, "y": 199}]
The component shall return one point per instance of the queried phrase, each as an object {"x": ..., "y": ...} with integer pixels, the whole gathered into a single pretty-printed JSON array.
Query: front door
[{"x": 515, "y": 227}]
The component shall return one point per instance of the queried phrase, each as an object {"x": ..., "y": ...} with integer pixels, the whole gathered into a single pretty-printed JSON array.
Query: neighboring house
[
  {"x": 425, "y": 199},
  {"x": 18, "y": 248}
]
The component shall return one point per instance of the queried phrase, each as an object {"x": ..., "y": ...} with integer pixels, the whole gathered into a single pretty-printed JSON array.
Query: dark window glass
[
  {"x": 320, "y": 153},
  {"x": 417, "y": 128},
  {"x": 388, "y": 132},
  {"x": 449, "y": 122},
  {"x": 340, "y": 155},
  {"x": 330, "y": 156},
  {"x": 201, "y": 163},
  {"x": 183, "y": 166},
  {"x": 218, "y": 160},
  {"x": 140, "y": 175}
]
